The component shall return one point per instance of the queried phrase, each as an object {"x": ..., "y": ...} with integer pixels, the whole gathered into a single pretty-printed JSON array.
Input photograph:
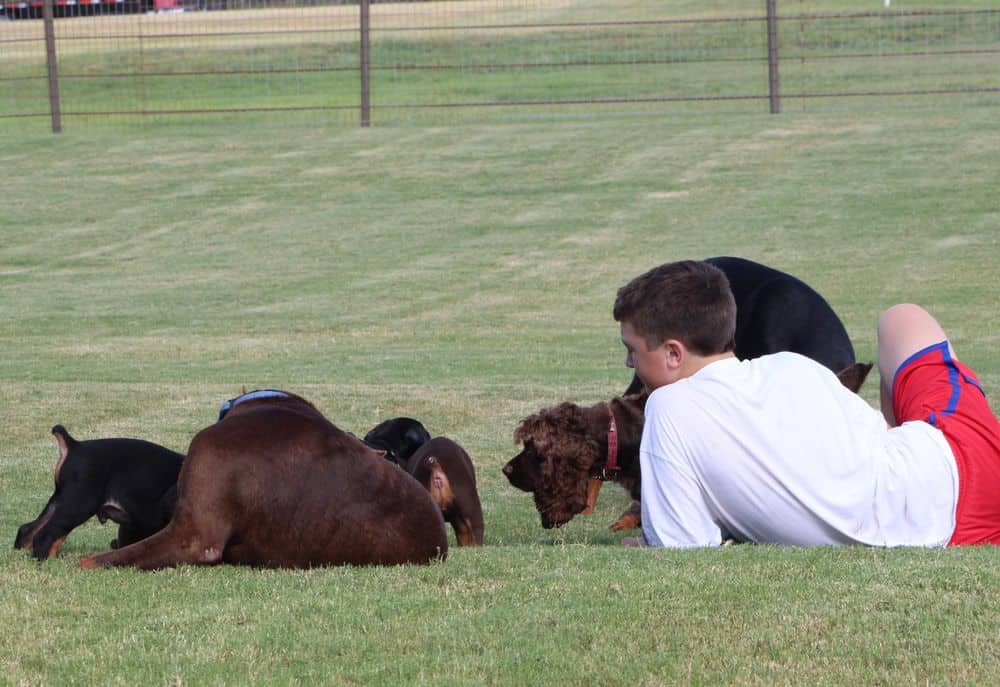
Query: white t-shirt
[{"x": 776, "y": 450}]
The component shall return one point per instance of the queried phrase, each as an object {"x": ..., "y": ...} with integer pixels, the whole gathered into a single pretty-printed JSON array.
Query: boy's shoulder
[{"x": 732, "y": 378}]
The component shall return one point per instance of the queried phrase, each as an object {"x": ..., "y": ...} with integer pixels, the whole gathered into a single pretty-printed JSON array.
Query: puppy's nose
[{"x": 507, "y": 469}]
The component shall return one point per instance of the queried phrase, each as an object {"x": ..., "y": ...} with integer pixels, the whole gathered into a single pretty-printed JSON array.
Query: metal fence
[{"x": 362, "y": 62}]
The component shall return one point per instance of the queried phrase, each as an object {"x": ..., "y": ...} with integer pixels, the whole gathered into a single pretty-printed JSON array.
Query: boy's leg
[
  {"x": 933, "y": 386},
  {"x": 902, "y": 331}
]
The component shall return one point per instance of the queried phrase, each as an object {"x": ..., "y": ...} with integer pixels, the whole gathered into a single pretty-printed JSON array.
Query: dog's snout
[{"x": 508, "y": 469}]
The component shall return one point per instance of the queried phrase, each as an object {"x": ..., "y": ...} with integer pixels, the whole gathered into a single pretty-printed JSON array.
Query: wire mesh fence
[{"x": 351, "y": 62}]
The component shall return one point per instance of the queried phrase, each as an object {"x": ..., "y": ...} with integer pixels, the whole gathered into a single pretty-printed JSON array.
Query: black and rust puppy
[
  {"x": 399, "y": 437},
  {"x": 445, "y": 469},
  {"x": 128, "y": 481},
  {"x": 778, "y": 312},
  {"x": 274, "y": 483}
]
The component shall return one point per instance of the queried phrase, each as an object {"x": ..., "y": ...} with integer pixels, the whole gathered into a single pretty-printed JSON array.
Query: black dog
[
  {"x": 778, "y": 312},
  {"x": 128, "y": 481},
  {"x": 399, "y": 438}
]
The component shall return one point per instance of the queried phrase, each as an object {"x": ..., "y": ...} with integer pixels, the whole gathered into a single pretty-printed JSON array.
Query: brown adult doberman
[{"x": 274, "y": 483}]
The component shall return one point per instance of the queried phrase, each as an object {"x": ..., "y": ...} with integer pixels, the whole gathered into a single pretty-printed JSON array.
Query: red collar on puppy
[{"x": 611, "y": 464}]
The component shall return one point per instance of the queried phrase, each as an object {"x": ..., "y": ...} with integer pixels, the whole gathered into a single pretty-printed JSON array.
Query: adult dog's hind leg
[{"x": 178, "y": 543}]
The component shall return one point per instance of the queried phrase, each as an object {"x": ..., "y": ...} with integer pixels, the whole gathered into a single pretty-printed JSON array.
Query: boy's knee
[
  {"x": 903, "y": 330},
  {"x": 905, "y": 325},
  {"x": 901, "y": 314}
]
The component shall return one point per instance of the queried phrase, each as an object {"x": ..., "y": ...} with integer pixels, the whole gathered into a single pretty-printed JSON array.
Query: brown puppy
[
  {"x": 566, "y": 448},
  {"x": 445, "y": 469},
  {"x": 276, "y": 484}
]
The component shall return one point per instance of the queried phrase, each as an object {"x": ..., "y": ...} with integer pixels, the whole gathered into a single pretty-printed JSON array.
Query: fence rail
[{"x": 362, "y": 62}]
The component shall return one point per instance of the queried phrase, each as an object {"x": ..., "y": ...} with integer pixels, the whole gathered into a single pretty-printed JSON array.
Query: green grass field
[{"x": 465, "y": 277}]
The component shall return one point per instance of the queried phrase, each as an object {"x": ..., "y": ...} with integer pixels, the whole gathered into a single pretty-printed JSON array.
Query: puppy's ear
[
  {"x": 417, "y": 434},
  {"x": 564, "y": 466},
  {"x": 566, "y": 446},
  {"x": 531, "y": 428}
]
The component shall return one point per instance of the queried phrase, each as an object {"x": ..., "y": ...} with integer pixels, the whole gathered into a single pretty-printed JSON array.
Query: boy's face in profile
[{"x": 649, "y": 364}]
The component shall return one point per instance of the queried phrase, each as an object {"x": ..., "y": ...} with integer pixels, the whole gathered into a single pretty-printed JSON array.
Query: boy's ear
[{"x": 675, "y": 353}]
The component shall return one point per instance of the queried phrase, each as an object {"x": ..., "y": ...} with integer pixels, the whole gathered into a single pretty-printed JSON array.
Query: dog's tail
[
  {"x": 854, "y": 376},
  {"x": 66, "y": 442},
  {"x": 60, "y": 431}
]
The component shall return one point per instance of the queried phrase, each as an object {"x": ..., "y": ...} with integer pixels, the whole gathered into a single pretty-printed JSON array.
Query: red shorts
[{"x": 934, "y": 387}]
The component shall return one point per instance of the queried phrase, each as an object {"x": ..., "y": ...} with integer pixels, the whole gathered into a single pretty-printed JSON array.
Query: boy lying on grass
[{"x": 776, "y": 450}]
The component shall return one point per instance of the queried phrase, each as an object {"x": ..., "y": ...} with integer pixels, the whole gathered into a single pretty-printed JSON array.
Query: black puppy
[
  {"x": 778, "y": 312},
  {"x": 399, "y": 438},
  {"x": 128, "y": 481}
]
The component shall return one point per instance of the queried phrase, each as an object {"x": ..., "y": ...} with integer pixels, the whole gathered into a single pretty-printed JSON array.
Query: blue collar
[{"x": 249, "y": 396}]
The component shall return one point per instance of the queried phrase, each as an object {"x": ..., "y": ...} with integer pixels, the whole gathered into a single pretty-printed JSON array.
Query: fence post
[
  {"x": 48, "y": 17},
  {"x": 773, "y": 87},
  {"x": 366, "y": 108}
]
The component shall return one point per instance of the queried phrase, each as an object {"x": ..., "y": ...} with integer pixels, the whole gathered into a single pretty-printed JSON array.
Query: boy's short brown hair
[{"x": 689, "y": 300}]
